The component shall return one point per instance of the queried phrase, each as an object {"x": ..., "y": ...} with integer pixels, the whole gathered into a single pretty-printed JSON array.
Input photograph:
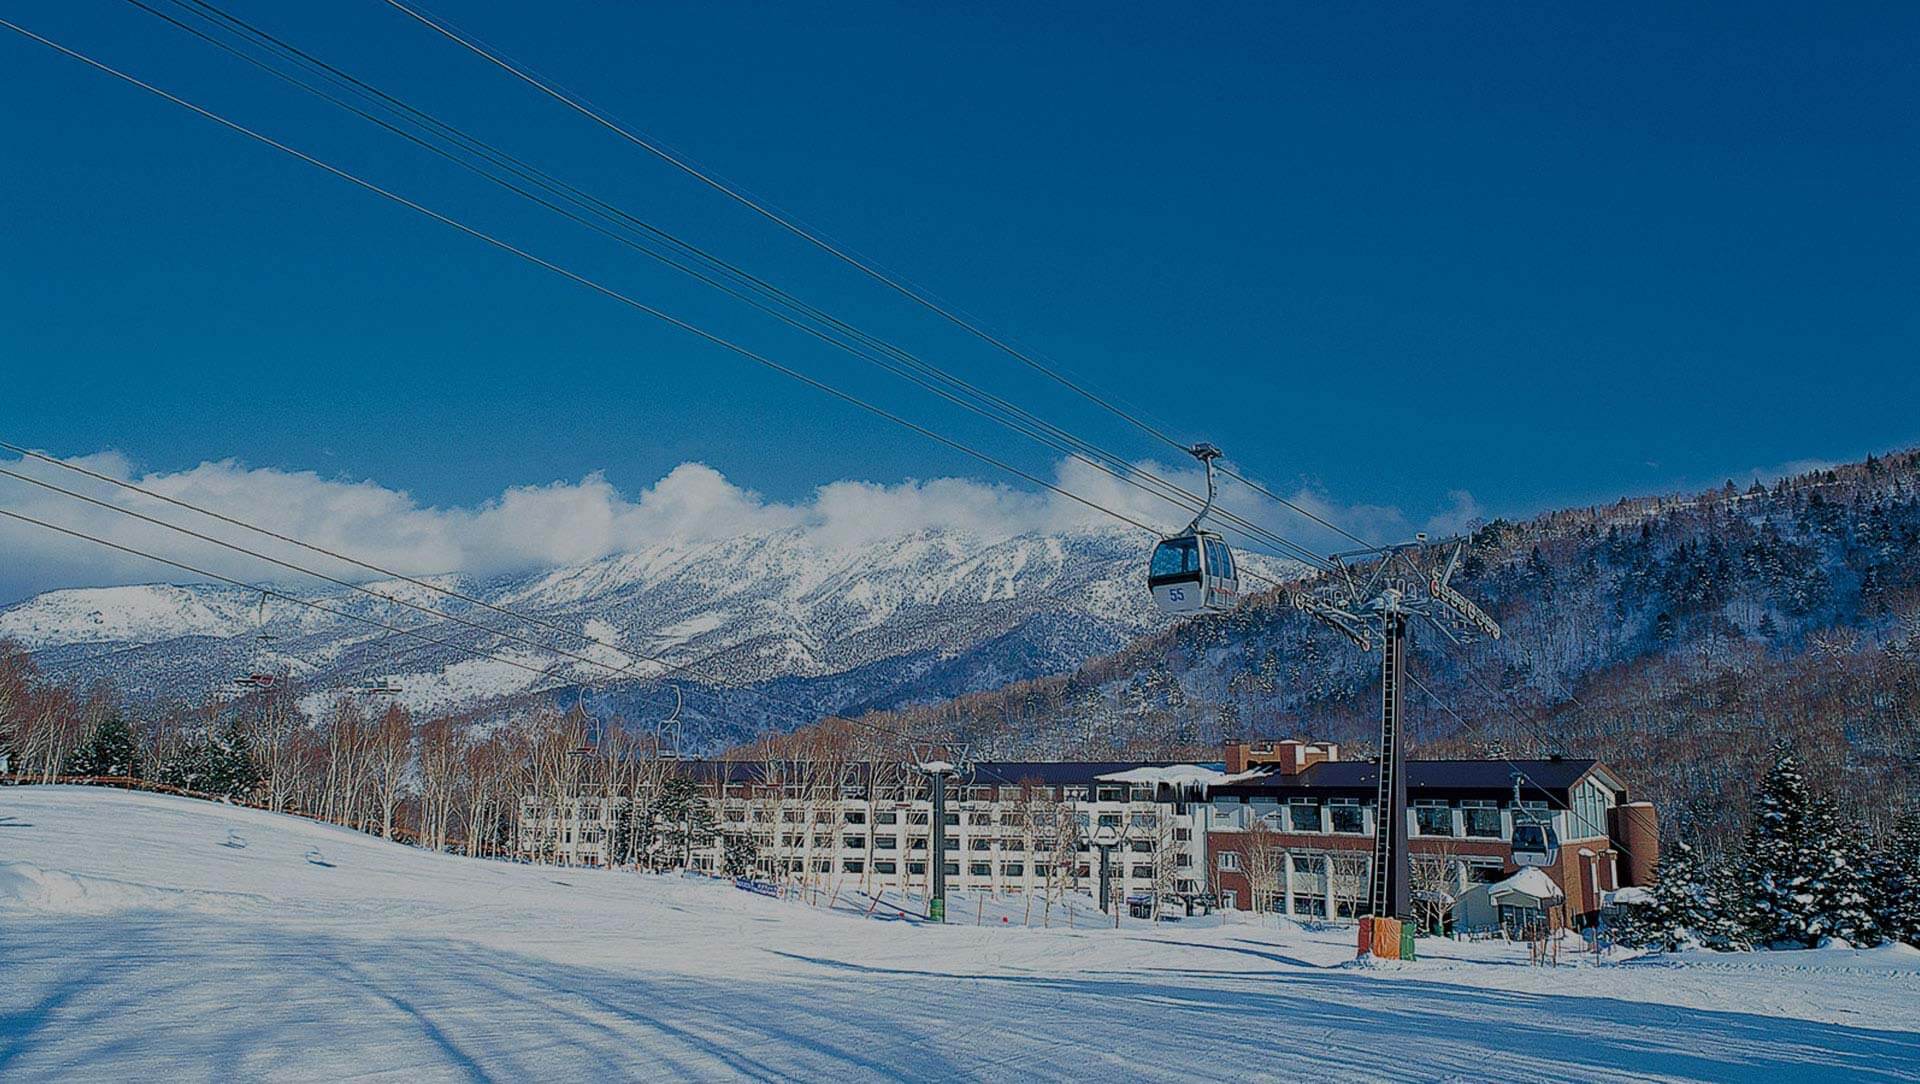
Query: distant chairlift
[
  {"x": 380, "y": 687},
  {"x": 259, "y": 678},
  {"x": 1193, "y": 571}
]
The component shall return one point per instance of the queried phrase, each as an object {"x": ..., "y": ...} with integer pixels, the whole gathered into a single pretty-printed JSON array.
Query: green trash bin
[
  {"x": 937, "y": 909},
  {"x": 1406, "y": 941}
]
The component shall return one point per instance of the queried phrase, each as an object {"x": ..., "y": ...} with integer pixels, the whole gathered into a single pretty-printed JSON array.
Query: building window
[
  {"x": 916, "y": 869},
  {"x": 1316, "y": 906},
  {"x": 886, "y": 867},
  {"x": 886, "y": 843},
  {"x": 1183, "y": 835},
  {"x": 980, "y": 869},
  {"x": 1230, "y": 900},
  {"x": 953, "y": 869},
  {"x": 1183, "y": 859},
  {"x": 853, "y": 865},
  {"x": 979, "y": 818},
  {"x": 855, "y": 842},
  {"x": 1109, "y": 820},
  {"x": 856, "y": 816},
  {"x": 1347, "y": 816},
  {"x": 1303, "y": 816},
  {"x": 1141, "y": 846},
  {"x": 1143, "y": 873},
  {"x": 1146, "y": 820},
  {"x": 1013, "y": 869},
  {"x": 1482, "y": 819},
  {"x": 949, "y": 844},
  {"x": 886, "y": 816},
  {"x": 950, "y": 819},
  {"x": 919, "y": 816},
  {"x": 980, "y": 843},
  {"x": 1433, "y": 818},
  {"x": 1230, "y": 862}
]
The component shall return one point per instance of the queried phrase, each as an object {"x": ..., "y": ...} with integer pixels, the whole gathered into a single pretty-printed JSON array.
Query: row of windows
[
  {"x": 974, "y": 869},
  {"x": 1478, "y": 819}
]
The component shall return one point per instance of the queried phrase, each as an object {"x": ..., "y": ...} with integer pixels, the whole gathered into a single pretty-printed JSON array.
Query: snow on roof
[
  {"x": 1629, "y": 895},
  {"x": 1528, "y": 882},
  {"x": 1176, "y": 775},
  {"x": 937, "y": 766}
]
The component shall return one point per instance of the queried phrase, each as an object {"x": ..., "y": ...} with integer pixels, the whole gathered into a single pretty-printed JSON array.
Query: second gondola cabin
[{"x": 1193, "y": 572}]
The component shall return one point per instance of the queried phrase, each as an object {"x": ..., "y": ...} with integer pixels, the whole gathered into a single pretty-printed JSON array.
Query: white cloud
[{"x": 560, "y": 523}]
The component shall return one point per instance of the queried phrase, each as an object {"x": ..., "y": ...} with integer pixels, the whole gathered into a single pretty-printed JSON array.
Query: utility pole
[{"x": 1403, "y": 583}]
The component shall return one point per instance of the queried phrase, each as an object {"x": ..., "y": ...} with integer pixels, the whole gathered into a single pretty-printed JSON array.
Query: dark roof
[{"x": 1432, "y": 776}]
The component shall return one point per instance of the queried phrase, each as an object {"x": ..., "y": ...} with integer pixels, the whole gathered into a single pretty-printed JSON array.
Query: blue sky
[{"x": 1538, "y": 255}]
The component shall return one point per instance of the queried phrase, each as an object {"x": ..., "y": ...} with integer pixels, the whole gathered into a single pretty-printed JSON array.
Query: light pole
[
  {"x": 1106, "y": 838},
  {"x": 938, "y": 771}
]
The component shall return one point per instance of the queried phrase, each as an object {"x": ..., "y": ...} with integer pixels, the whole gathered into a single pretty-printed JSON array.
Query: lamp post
[
  {"x": 938, "y": 771},
  {"x": 1106, "y": 838}
]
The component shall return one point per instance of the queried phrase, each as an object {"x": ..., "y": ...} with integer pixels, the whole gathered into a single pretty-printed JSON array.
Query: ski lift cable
[
  {"x": 1016, "y": 418},
  {"x": 596, "y": 286},
  {"x": 592, "y": 284},
  {"x": 815, "y": 238}
]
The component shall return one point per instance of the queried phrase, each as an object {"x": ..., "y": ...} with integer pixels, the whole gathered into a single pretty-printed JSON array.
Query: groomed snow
[{"x": 167, "y": 939}]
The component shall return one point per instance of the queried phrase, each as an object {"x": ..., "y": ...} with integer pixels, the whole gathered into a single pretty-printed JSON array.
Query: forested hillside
[{"x": 1679, "y": 639}]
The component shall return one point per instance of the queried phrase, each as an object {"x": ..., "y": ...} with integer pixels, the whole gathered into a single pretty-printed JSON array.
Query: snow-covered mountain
[{"x": 810, "y": 628}]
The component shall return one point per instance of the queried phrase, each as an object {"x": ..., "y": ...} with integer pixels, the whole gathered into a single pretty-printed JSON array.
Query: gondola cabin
[
  {"x": 1193, "y": 572},
  {"x": 1535, "y": 844}
]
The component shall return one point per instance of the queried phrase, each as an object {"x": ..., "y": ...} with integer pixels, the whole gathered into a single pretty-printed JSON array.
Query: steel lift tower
[{"x": 1378, "y": 594}]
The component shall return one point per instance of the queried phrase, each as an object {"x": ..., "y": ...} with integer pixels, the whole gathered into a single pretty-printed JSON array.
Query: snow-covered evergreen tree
[
  {"x": 1729, "y": 916},
  {"x": 1680, "y": 907},
  {"x": 1845, "y": 887},
  {"x": 112, "y": 749},
  {"x": 1896, "y": 878},
  {"x": 231, "y": 772},
  {"x": 1786, "y": 860},
  {"x": 738, "y": 855}
]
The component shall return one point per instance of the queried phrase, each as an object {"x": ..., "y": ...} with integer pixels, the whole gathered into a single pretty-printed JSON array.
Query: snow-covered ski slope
[{"x": 167, "y": 939}]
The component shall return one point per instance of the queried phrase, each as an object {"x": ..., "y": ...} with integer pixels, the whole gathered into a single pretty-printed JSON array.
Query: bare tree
[
  {"x": 1351, "y": 880},
  {"x": 1435, "y": 883},
  {"x": 1264, "y": 864},
  {"x": 390, "y": 752}
]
